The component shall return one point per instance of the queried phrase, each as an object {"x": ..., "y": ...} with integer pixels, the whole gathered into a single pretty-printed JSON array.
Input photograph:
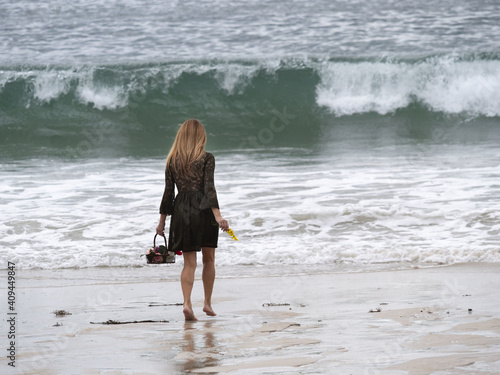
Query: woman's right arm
[
  {"x": 167, "y": 202},
  {"x": 211, "y": 193}
]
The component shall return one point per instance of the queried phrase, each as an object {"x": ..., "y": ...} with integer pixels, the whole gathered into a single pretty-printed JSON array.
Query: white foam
[
  {"x": 315, "y": 211},
  {"x": 100, "y": 95},
  {"x": 232, "y": 78},
  {"x": 442, "y": 84},
  {"x": 4, "y": 78},
  {"x": 348, "y": 88},
  {"x": 51, "y": 85},
  {"x": 235, "y": 77},
  {"x": 472, "y": 87}
]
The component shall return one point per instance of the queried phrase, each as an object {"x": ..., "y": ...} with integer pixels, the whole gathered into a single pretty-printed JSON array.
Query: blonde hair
[{"x": 189, "y": 146}]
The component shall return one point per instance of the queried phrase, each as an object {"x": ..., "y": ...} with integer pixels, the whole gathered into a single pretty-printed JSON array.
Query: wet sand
[{"x": 443, "y": 320}]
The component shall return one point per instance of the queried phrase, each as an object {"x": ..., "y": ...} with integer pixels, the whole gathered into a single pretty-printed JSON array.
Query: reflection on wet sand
[{"x": 200, "y": 346}]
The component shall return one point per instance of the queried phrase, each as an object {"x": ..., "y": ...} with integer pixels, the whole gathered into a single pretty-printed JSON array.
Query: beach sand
[{"x": 443, "y": 320}]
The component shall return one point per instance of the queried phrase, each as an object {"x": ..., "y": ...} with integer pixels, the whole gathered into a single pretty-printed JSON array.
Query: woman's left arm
[{"x": 160, "y": 229}]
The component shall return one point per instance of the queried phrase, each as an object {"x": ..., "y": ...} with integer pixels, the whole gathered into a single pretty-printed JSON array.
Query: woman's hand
[
  {"x": 160, "y": 229},
  {"x": 223, "y": 223}
]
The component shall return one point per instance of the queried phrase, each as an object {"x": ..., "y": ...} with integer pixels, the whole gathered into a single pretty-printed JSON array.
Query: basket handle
[{"x": 154, "y": 240}]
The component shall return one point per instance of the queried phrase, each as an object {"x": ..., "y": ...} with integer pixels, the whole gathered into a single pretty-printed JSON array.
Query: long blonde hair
[{"x": 189, "y": 146}]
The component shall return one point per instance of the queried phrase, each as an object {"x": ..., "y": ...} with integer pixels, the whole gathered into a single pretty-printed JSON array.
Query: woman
[{"x": 196, "y": 218}]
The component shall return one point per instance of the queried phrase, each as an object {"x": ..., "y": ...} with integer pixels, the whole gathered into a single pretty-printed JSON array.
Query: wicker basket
[{"x": 160, "y": 254}]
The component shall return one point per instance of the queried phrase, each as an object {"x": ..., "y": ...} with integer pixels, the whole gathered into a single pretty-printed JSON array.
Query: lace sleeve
[
  {"x": 167, "y": 202},
  {"x": 209, "y": 186}
]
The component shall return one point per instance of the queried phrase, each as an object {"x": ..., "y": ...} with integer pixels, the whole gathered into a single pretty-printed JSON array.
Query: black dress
[{"x": 192, "y": 225}]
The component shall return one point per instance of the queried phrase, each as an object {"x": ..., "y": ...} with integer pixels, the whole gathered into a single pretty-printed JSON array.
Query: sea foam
[
  {"x": 286, "y": 208},
  {"x": 441, "y": 84}
]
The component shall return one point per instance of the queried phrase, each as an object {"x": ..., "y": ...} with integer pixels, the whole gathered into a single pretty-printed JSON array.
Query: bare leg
[
  {"x": 187, "y": 281},
  {"x": 208, "y": 277}
]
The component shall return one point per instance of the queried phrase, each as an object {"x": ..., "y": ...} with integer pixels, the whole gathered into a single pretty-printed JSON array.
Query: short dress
[{"x": 192, "y": 222}]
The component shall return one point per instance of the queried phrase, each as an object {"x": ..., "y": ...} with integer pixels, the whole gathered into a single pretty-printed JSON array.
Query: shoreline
[{"x": 321, "y": 322}]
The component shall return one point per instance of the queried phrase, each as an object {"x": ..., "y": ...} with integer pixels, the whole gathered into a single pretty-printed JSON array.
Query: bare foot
[
  {"x": 209, "y": 311},
  {"x": 189, "y": 314}
]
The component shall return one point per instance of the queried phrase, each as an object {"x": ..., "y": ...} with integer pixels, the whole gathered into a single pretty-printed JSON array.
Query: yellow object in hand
[{"x": 231, "y": 233}]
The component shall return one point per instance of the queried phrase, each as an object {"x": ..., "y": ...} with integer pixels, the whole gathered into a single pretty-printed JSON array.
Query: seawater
[
  {"x": 388, "y": 204},
  {"x": 106, "y": 32},
  {"x": 345, "y": 133}
]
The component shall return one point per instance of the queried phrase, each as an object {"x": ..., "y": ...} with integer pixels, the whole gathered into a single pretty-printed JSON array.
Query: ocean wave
[
  {"x": 247, "y": 104},
  {"x": 451, "y": 84},
  {"x": 446, "y": 84}
]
